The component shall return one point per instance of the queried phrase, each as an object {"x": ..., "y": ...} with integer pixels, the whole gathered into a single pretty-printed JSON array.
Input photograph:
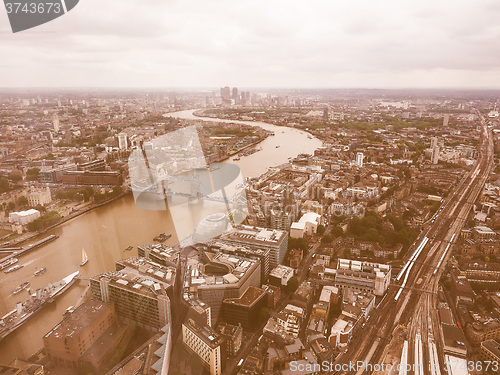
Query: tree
[
  {"x": 15, "y": 177},
  {"x": 292, "y": 285},
  {"x": 4, "y": 185},
  {"x": 326, "y": 239},
  {"x": 11, "y": 206},
  {"x": 22, "y": 201},
  {"x": 337, "y": 231},
  {"x": 320, "y": 230},
  {"x": 44, "y": 221},
  {"x": 32, "y": 174}
]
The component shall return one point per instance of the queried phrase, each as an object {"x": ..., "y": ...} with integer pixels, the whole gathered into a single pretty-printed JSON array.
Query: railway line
[{"x": 415, "y": 306}]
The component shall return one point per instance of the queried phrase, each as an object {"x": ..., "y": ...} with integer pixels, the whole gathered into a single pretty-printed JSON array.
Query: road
[{"x": 414, "y": 305}]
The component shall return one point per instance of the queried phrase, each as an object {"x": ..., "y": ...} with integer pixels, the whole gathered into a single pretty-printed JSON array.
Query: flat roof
[{"x": 249, "y": 298}]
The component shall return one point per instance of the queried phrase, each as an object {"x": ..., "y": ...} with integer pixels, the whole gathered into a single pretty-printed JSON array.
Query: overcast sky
[{"x": 255, "y": 43}]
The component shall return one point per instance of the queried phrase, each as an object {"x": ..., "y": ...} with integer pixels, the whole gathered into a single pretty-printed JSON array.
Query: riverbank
[
  {"x": 32, "y": 235},
  {"x": 200, "y": 113}
]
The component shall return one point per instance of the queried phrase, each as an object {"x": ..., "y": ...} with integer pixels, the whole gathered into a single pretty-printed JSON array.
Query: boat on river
[
  {"x": 14, "y": 268},
  {"x": 162, "y": 237},
  {"x": 85, "y": 258},
  {"x": 21, "y": 287},
  {"x": 40, "y": 271}
]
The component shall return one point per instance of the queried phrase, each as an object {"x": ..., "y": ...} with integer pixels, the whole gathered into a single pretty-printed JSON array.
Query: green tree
[{"x": 320, "y": 230}]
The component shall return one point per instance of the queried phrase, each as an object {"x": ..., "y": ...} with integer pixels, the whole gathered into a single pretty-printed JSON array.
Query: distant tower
[
  {"x": 225, "y": 93},
  {"x": 446, "y": 118},
  {"x": 325, "y": 113},
  {"x": 359, "y": 159},
  {"x": 235, "y": 93},
  {"x": 55, "y": 121},
  {"x": 122, "y": 141},
  {"x": 434, "y": 142},
  {"x": 435, "y": 155}
]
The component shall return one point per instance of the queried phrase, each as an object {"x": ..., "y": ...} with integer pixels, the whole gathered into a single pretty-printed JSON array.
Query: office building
[
  {"x": 225, "y": 94},
  {"x": 213, "y": 277},
  {"x": 358, "y": 275},
  {"x": 359, "y": 159},
  {"x": 207, "y": 344},
  {"x": 260, "y": 238},
  {"x": 123, "y": 141},
  {"x": 490, "y": 351},
  {"x": 446, "y": 119},
  {"x": 245, "y": 309},
  {"x": 262, "y": 255},
  {"x": 280, "y": 276},
  {"x": 85, "y": 337},
  {"x": 91, "y": 178},
  {"x": 232, "y": 335},
  {"x": 96, "y": 165},
  {"x": 434, "y": 142},
  {"x": 159, "y": 253},
  {"x": 306, "y": 226},
  {"x": 55, "y": 122},
  {"x": 139, "y": 288},
  {"x": 435, "y": 155},
  {"x": 54, "y": 175}
]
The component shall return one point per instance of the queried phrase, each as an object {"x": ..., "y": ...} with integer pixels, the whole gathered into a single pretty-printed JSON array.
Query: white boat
[{"x": 85, "y": 258}]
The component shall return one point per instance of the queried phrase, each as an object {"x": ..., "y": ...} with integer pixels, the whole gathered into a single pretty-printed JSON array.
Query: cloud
[{"x": 330, "y": 43}]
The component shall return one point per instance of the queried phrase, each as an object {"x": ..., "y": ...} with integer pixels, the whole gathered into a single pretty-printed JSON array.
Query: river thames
[{"x": 105, "y": 232}]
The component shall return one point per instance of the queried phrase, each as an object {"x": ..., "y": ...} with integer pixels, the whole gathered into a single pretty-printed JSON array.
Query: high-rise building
[
  {"x": 435, "y": 155},
  {"x": 446, "y": 119},
  {"x": 55, "y": 122},
  {"x": 225, "y": 94},
  {"x": 122, "y": 141},
  {"x": 139, "y": 290},
  {"x": 359, "y": 159},
  {"x": 235, "y": 94},
  {"x": 207, "y": 344},
  {"x": 245, "y": 309},
  {"x": 434, "y": 142}
]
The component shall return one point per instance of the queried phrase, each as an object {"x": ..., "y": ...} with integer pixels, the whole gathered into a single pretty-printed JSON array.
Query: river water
[{"x": 105, "y": 232}]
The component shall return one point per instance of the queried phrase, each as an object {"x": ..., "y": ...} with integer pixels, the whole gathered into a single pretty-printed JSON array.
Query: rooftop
[{"x": 73, "y": 325}]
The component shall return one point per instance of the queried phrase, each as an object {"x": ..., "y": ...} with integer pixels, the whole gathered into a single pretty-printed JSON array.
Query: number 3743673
[{"x": 27, "y": 7}]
